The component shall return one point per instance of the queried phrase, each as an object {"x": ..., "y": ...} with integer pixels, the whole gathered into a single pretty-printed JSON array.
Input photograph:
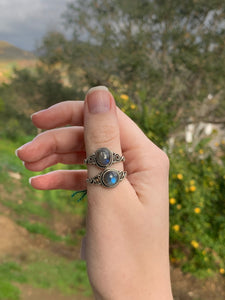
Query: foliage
[
  {"x": 8, "y": 291},
  {"x": 34, "y": 210},
  {"x": 10, "y": 271},
  {"x": 66, "y": 276},
  {"x": 168, "y": 48},
  {"x": 27, "y": 92},
  {"x": 197, "y": 189},
  {"x": 161, "y": 59},
  {"x": 197, "y": 209},
  {"x": 153, "y": 119}
]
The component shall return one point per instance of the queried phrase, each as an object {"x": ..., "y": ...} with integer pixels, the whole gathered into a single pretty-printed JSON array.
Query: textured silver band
[
  {"x": 108, "y": 178},
  {"x": 112, "y": 158}
]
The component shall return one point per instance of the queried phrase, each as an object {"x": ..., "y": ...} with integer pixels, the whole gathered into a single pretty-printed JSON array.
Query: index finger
[
  {"x": 60, "y": 114},
  {"x": 72, "y": 113}
]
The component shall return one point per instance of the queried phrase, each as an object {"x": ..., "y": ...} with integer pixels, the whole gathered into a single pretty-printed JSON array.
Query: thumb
[{"x": 101, "y": 130}]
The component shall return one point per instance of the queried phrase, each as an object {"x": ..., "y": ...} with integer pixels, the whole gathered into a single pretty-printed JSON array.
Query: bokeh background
[{"x": 164, "y": 63}]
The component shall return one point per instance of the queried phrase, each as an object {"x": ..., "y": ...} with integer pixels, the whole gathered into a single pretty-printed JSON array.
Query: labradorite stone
[
  {"x": 110, "y": 178},
  {"x": 103, "y": 157}
]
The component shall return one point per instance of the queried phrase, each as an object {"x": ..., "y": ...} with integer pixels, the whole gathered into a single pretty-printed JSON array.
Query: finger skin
[
  {"x": 53, "y": 159},
  {"x": 61, "y": 114},
  {"x": 72, "y": 113},
  {"x": 62, "y": 140},
  {"x": 140, "y": 153},
  {"x": 67, "y": 180}
]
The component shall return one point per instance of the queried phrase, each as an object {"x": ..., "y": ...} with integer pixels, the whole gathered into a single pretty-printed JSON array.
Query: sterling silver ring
[
  {"x": 103, "y": 158},
  {"x": 108, "y": 178}
]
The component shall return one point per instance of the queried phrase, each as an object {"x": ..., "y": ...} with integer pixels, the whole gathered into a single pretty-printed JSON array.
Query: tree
[
  {"x": 172, "y": 50},
  {"x": 27, "y": 92}
]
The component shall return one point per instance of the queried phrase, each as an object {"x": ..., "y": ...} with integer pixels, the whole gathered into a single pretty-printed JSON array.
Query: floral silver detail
[
  {"x": 101, "y": 154},
  {"x": 108, "y": 174}
]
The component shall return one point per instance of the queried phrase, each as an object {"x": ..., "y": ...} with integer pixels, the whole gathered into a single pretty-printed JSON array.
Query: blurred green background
[{"x": 164, "y": 63}]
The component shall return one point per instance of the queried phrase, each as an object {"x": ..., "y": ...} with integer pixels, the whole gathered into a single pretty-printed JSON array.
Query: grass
[
  {"x": 40, "y": 228},
  {"x": 67, "y": 276},
  {"x": 8, "y": 291},
  {"x": 32, "y": 210},
  {"x": 49, "y": 273},
  {"x": 10, "y": 272}
]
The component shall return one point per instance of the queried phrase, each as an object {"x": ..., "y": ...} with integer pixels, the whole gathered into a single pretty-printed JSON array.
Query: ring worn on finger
[
  {"x": 108, "y": 178},
  {"x": 103, "y": 158}
]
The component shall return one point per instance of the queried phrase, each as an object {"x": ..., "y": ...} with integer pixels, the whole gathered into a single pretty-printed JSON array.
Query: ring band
[
  {"x": 108, "y": 178},
  {"x": 103, "y": 158}
]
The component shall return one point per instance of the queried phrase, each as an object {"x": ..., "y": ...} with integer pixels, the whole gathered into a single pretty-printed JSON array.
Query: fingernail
[
  {"x": 36, "y": 113},
  {"x": 30, "y": 179},
  {"x": 20, "y": 148},
  {"x": 16, "y": 151},
  {"x": 98, "y": 100}
]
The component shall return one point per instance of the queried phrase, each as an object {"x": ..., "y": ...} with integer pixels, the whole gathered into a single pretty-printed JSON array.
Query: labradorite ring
[
  {"x": 103, "y": 158},
  {"x": 108, "y": 178}
]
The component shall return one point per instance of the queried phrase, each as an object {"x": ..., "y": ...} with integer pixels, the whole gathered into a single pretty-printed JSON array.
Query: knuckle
[
  {"x": 164, "y": 159},
  {"x": 160, "y": 162}
]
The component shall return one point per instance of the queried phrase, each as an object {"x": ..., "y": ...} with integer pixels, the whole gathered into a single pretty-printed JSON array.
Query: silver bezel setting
[
  {"x": 114, "y": 158},
  {"x": 99, "y": 179}
]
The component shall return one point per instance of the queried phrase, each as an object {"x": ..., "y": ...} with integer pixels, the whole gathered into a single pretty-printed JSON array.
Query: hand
[{"x": 127, "y": 240}]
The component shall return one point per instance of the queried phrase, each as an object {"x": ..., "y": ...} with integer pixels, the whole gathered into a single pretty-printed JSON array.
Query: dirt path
[
  {"x": 31, "y": 293},
  {"x": 14, "y": 241},
  {"x": 187, "y": 287}
]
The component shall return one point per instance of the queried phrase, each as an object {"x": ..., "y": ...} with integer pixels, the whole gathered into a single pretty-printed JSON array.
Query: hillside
[{"x": 10, "y": 52}]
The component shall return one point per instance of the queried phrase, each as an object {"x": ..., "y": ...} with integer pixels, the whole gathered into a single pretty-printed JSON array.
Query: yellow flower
[
  {"x": 176, "y": 228},
  {"x": 197, "y": 210},
  {"x": 172, "y": 201},
  {"x": 173, "y": 259},
  {"x": 211, "y": 183},
  {"x": 217, "y": 144},
  {"x": 201, "y": 151},
  {"x": 179, "y": 206},
  {"x": 195, "y": 244},
  {"x": 204, "y": 252},
  {"x": 124, "y": 97},
  {"x": 133, "y": 106},
  {"x": 222, "y": 271},
  {"x": 192, "y": 182},
  {"x": 180, "y": 176},
  {"x": 157, "y": 112},
  {"x": 181, "y": 151},
  {"x": 192, "y": 188}
]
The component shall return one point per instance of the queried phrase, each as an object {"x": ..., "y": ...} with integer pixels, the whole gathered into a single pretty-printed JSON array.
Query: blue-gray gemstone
[
  {"x": 103, "y": 157},
  {"x": 110, "y": 178}
]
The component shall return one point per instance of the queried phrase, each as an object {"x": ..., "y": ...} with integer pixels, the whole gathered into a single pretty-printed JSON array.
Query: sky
[{"x": 23, "y": 23}]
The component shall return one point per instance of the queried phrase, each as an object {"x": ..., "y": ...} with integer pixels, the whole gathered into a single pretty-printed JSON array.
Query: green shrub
[{"x": 197, "y": 189}]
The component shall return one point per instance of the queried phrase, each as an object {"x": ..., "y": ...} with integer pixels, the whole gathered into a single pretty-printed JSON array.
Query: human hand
[{"x": 127, "y": 227}]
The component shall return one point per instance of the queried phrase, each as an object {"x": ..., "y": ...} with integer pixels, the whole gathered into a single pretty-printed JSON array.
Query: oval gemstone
[
  {"x": 110, "y": 178},
  {"x": 103, "y": 157}
]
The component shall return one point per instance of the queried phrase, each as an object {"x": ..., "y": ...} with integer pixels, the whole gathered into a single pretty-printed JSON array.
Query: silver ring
[
  {"x": 103, "y": 158},
  {"x": 108, "y": 178}
]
